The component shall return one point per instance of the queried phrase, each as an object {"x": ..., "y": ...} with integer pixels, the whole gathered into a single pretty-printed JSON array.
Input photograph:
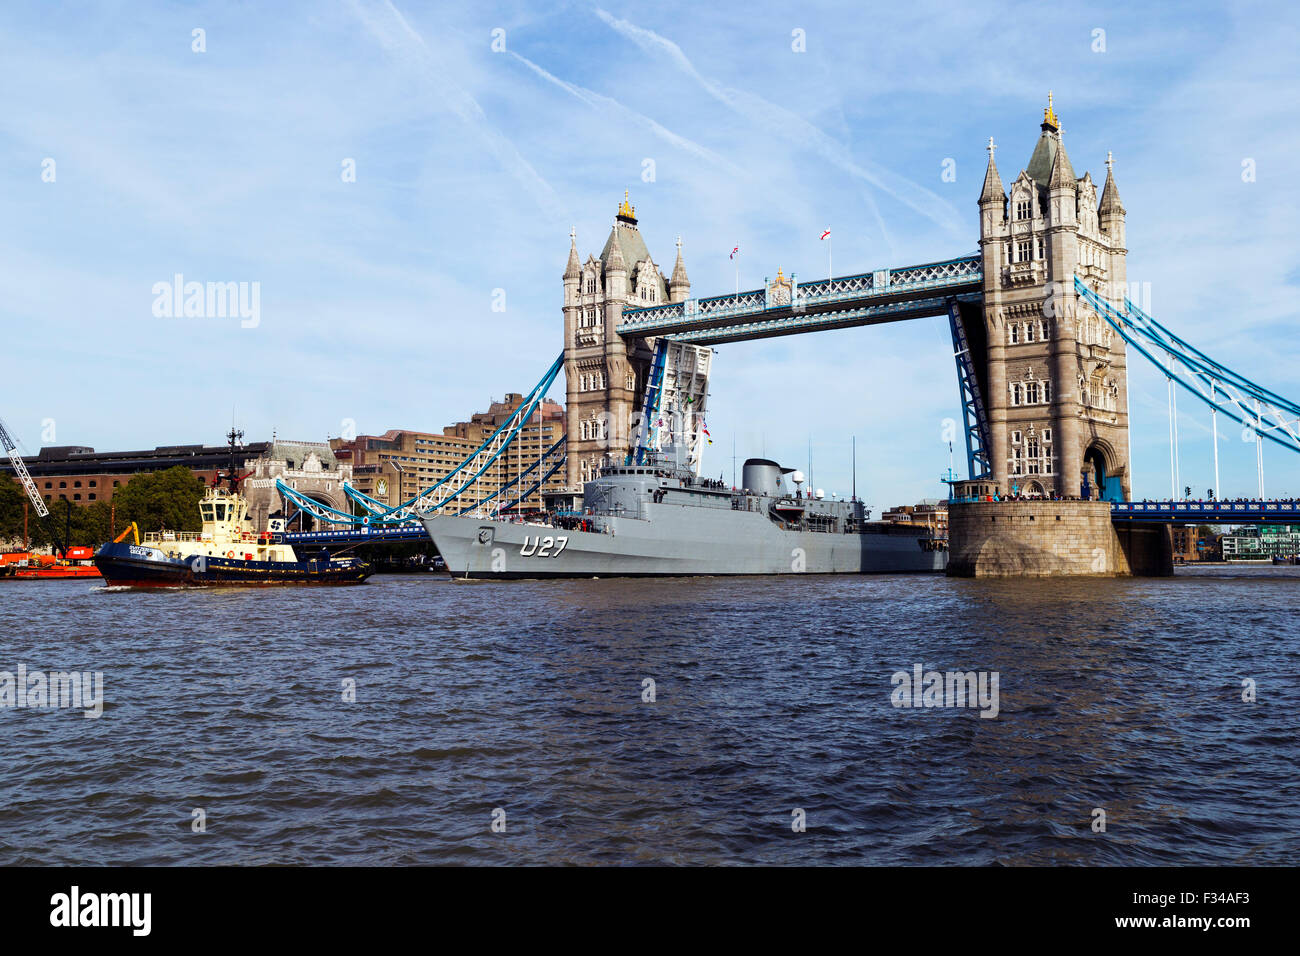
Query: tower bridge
[
  {"x": 1043, "y": 379},
  {"x": 1041, "y": 329}
]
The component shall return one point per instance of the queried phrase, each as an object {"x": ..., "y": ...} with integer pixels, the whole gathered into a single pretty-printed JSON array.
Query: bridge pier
[{"x": 1044, "y": 538}]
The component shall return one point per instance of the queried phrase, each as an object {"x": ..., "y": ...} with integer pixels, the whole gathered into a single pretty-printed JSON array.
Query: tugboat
[{"x": 226, "y": 553}]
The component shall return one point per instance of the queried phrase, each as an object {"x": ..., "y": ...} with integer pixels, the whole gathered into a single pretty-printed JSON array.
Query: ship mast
[{"x": 234, "y": 438}]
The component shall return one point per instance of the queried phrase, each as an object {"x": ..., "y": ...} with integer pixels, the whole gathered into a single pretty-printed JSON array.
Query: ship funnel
[{"x": 763, "y": 477}]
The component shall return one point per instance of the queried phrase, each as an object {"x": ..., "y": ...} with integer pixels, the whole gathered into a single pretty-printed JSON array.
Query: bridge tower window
[
  {"x": 1013, "y": 333},
  {"x": 1022, "y": 250},
  {"x": 1023, "y": 209},
  {"x": 1015, "y": 393},
  {"x": 1029, "y": 331},
  {"x": 1032, "y": 452}
]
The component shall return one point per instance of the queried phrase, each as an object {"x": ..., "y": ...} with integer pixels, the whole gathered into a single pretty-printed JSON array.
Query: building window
[
  {"x": 1023, "y": 209},
  {"x": 63, "y": 484},
  {"x": 1041, "y": 250},
  {"x": 1015, "y": 393},
  {"x": 1022, "y": 251},
  {"x": 49, "y": 484},
  {"x": 1031, "y": 393},
  {"x": 76, "y": 497},
  {"x": 1047, "y": 435},
  {"x": 76, "y": 484},
  {"x": 1029, "y": 331},
  {"x": 1013, "y": 332},
  {"x": 91, "y": 496},
  {"x": 1015, "y": 438},
  {"x": 1042, "y": 329},
  {"x": 1047, "y": 399},
  {"x": 1015, "y": 461},
  {"x": 93, "y": 483}
]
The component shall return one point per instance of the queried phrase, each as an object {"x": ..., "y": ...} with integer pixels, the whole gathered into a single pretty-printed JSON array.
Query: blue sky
[{"x": 472, "y": 166}]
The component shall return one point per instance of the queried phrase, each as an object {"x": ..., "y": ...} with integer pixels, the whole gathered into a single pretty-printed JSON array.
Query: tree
[
  {"x": 154, "y": 500},
  {"x": 12, "y": 499},
  {"x": 161, "y": 500}
]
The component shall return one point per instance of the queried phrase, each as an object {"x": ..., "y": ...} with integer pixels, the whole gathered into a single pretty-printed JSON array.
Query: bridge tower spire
[
  {"x": 1057, "y": 379},
  {"x": 679, "y": 287}
]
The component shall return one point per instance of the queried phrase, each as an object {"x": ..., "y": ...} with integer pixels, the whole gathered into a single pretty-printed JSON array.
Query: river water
[{"x": 526, "y": 703}]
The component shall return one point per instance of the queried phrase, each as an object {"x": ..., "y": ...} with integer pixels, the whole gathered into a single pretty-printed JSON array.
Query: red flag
[
  {"x": 734, "y": 251},
  {"x": 826, "y": 233}
]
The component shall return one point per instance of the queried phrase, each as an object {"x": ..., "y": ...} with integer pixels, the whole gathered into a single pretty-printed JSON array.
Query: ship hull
[
  {"x": 51, "y": 574},
  {"x": 674, "y": 542},
  {"x": 136, "y": 566}
]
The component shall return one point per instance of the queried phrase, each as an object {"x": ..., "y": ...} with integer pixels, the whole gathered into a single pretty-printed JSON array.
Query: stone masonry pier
[{"x": 1043, "y": 538}]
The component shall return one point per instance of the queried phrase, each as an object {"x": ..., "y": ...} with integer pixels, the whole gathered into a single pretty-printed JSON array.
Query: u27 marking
[{"x": 541, "y": 547}]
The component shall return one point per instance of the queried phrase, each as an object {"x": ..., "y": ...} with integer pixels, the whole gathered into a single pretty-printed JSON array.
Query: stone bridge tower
[
  {"x": 1057, "y": 378},
  {"x": 605, "y": 374}
]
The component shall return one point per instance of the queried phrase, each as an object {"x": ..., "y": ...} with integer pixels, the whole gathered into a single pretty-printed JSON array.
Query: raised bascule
[{"x": 1041, "y": 326}]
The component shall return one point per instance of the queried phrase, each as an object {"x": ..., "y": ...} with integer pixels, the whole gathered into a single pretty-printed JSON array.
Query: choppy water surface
[{"x": 771, "y": 695}]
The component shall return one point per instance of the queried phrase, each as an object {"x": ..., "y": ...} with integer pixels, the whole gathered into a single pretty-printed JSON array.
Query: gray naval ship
[{"x": 661, "y": 519}]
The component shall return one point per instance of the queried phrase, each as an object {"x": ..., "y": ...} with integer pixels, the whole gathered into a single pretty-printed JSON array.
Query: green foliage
[
  {"x": 161, "y": 500},
  {"x": 11, "y": 508},
  {"x": 154, "y": 500}
]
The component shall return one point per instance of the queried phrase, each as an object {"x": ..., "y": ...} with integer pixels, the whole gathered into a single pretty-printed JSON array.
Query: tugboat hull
[{"x": 140, "y": 566}]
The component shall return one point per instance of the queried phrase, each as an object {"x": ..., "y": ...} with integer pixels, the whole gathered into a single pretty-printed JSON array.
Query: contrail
[
  {"x": 599, "y": 101},
  {"x": 796, "y": 129},
  {"x": 404, "y": 45}
]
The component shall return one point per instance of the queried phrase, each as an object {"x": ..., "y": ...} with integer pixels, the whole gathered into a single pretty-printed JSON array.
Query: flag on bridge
[
  {"x": 826, "y": 233},
  {"x": 734, "y": 252}
]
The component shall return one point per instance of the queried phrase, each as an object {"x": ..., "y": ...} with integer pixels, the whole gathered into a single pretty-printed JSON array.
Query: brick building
[
  {"x": 396, "y": 466},
  {"x": 80, "y": 474}
]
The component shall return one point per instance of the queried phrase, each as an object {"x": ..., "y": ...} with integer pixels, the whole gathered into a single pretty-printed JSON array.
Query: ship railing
[{"x": 168, "y": 537}]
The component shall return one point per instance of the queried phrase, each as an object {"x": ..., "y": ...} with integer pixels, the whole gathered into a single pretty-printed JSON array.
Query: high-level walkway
[{"x": 788, "y": 306}]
